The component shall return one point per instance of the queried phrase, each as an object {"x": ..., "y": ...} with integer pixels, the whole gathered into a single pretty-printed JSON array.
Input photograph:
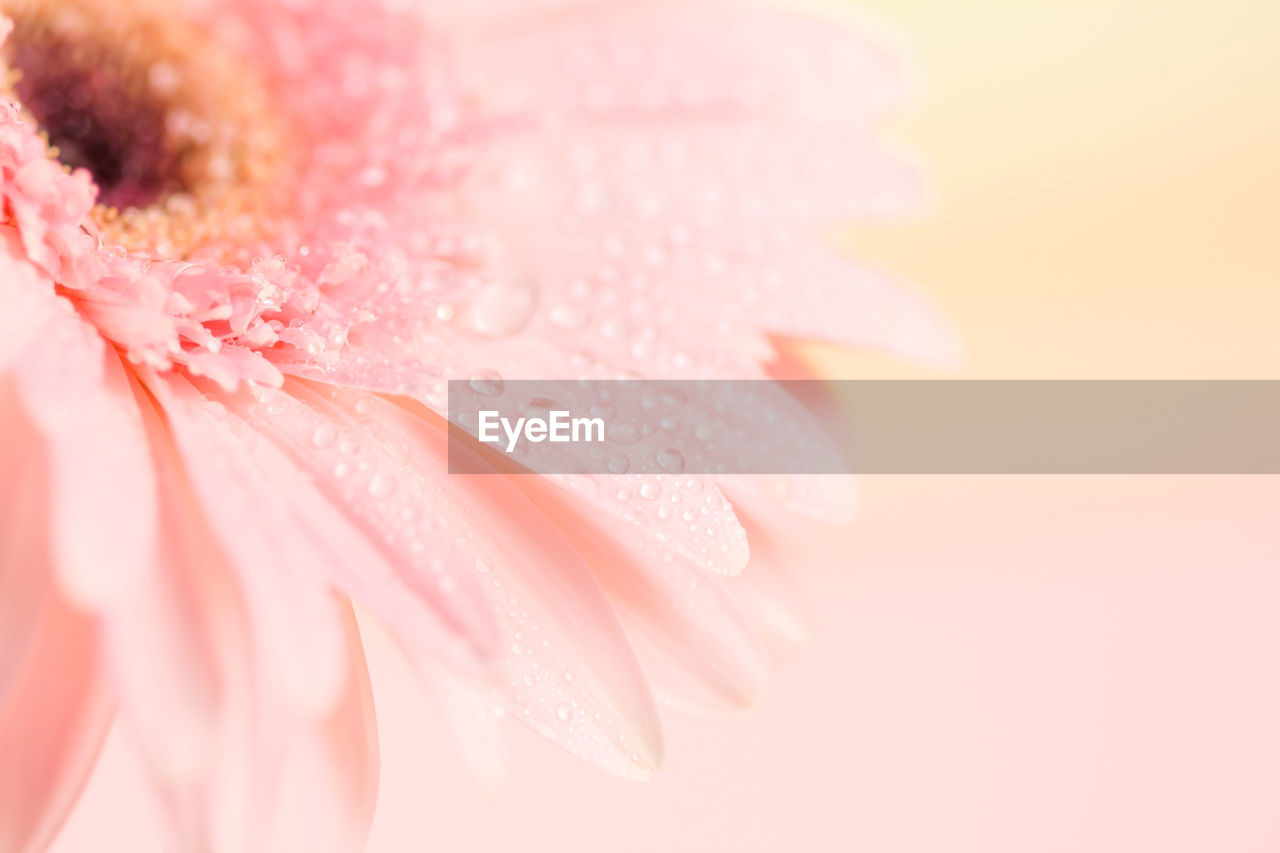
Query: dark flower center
[
  {"x": 97, "y": 116},
  {"x": 180, "y": 136}
]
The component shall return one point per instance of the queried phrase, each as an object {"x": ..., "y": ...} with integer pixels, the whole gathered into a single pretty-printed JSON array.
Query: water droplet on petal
[
  {"x": 487, "y": 383},
  {"x": 671, "y": 461},
  {"x": 569, "y": 316},
  {"x": 382, "y": 486},
  {"x": 500, "y": 309},
  {"x": 324, "y": 436}
]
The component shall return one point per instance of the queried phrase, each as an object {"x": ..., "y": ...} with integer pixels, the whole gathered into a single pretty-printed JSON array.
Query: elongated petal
[
  {"x": 697, "y": 645},
  {"x": 719, "y": 545},
  {"x": 76, "y": 392},
  {"x": 27, "y": 297},
  {"x": 474, "y": 712},
  {"x": 250, "y": 495},
  {"x": 767, "y": 592},
  {"x": 24, "y": 534},
  {"x": 54, "y": 706},
  {"x": 270, "y": 751},
  {"x": 329, "y": 769},
  {"x": 563, "y": 662},
  {"x": 52, "y": 723},
  {"x": 397, "y": 558}
]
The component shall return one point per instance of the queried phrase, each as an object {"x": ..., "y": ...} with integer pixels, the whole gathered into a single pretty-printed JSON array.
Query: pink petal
[
  {"x": 27, "y": 297},
  {"x": 24, "y": 545},
  {"x": 696, "y": 644},
  {"x": 76, "y": 392},
  {"x": 52, "y": 723},
  {"x": 328, "y": 778},
  {"x": 656, "y": 59},
  {"x": 484, "y": 15},
  {"x": 283, "y": 554},
  {"x": 54, "y": 705},
  {"x": 420, "y": 583},
  {"x": 632, "y": 500},
  {"x": 474, "y": 712},
  {"x": 767, "y": 592},
  {"x": 563, "y": 661}
]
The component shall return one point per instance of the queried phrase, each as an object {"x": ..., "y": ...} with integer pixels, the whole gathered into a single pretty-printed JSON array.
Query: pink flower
[{"x": 224, "y": 338}]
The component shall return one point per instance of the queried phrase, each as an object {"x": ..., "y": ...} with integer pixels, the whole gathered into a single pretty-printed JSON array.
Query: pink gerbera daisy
[{"x": 244, "y": 244}]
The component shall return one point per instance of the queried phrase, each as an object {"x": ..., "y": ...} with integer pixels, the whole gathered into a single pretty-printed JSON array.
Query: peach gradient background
[{"x": 1007, "y": 665}]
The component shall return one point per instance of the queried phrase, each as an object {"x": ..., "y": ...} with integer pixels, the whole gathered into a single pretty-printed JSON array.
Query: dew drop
[
  {"x": 619, "y": 464},
  {"x": 650, "y": 491},
  {"x": 569, "y": 316},
  {"x": 671, "y": 461},
  {"x": 487, "y": 383},
  {"x": 565, "y": 713},
  {"x": 324, "y": 436},
  {"x": 382, "y": 486},
  {"x": 500, "y": 309}
]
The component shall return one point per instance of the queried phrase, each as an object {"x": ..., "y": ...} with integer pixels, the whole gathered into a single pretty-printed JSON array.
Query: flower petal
[
  {"x": 27, "y": 297},
  {"x": 769, "y": 596},
  {"x": 283, "y": 542},
  {"x": 474, "y": 712},
  {"x": 77, "y": 394},
  {"x": 54, "y": 708},
  {"x": 329, "y": 773},
  {"x": 696, "y": 644},
  {"x": 563, "y": 662},
  {"x": 419, "y": 579},
  {"x": 53, "y": 719}
]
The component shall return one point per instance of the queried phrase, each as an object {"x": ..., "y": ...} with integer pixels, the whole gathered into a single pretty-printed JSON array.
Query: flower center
[{"x": 176, "y": 132}]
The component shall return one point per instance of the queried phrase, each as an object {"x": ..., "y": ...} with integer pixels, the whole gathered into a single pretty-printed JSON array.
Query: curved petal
[
  {"x": 76, "y": 392},
  {"x": 329, "y": 769},
  {"x": 283, "y": 557},
  {"x": 54, "y": 708},
  {"x": 474, "y": 712},
  {"x": 767, "y": 592},
  {"x": 53, "y": 718},
  {"x": 24, "y": 534},
  {"x": 351, "y": 491},
  {"x": 272, "y": 760},
  {"x": 719, "y": 546},
  {"x": 697, "y": 645},
  {"x": 27, "y": 297},
  {"x": 563, "y": 662}
]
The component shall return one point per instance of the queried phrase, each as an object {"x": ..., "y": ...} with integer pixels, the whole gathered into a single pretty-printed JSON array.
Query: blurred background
[{"x": 1005, "y": 664}]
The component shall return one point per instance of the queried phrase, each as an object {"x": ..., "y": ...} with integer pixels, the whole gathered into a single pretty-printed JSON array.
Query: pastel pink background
[{"x": 1006, "y": 665}]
